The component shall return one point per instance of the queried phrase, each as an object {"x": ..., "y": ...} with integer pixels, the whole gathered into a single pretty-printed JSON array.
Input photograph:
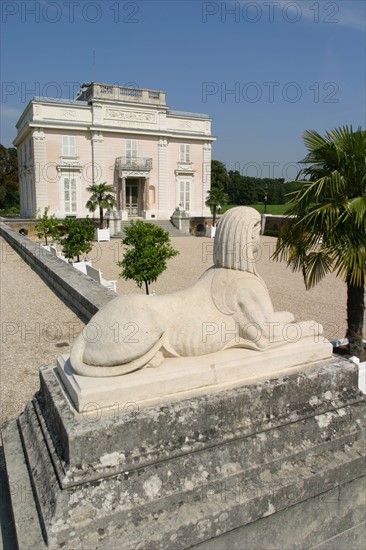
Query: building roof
[
  {"x": 43, "y": 99},
  {"x": 186, "y": 113}
]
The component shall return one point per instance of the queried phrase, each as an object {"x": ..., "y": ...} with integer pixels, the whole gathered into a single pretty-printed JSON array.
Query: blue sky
[{"x": 263, "y": 70}]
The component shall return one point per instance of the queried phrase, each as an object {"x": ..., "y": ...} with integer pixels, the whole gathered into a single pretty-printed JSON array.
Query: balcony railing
[{"x": 138, "y": 163}]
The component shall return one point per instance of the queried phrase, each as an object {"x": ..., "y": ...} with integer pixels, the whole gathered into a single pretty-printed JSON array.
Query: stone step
[
  {"x": 288, "y": 452},
  {"x": 164, "y": 224}
]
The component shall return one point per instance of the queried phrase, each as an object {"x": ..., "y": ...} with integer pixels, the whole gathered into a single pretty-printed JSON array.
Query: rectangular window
[
  {"x": 184, "y": 194},
  {"x": 69, "y": 146},
  {"x": 70, "y": 195},
  {"x": 131, "y": 149},
  {"x": 185, "y": 152}
]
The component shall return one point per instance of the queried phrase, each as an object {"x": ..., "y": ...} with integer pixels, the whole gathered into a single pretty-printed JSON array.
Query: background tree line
[
  {"x": 9, "y": 184},
  {"x": 250, "y": 190}
]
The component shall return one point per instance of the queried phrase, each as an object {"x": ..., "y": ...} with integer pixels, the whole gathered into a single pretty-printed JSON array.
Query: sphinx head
[{"x": 237, "y": 239}]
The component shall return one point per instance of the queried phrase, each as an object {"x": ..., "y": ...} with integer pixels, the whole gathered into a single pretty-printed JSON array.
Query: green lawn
[{"x": 271, "y": 208}]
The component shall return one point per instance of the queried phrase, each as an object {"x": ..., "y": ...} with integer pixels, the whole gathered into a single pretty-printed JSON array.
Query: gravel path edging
[{"x": 80, "y": 293}]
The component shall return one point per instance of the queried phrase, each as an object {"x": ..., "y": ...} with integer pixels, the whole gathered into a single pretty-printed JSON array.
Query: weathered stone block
[{"x": 228, "y": 469}]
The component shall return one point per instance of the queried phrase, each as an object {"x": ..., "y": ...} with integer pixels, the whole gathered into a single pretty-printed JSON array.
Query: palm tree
[
  {"x": 102, "y": 197},
  {"x": 216, "y": 196},
  {"x": 328, "y": 231}
]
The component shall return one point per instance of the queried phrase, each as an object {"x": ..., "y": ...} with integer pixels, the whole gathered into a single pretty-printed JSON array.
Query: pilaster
[
  {"x": 99, "y": 173},
  {"x": 123, "y": 194},
  {"x": 206, "y": 168},
  {"x": 39, "y": 194},
  {"x": 206, "y": 176},
  {"x": 97, "y": 113},
  {"x": 163, "y": 176},
  {"x": 146, "y": 195}
]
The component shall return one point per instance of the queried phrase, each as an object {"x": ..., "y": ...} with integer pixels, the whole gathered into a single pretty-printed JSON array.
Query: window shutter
[
  {"x": 187, "y": 195},
  {"x": 181, "y": 193},
  {"x": 69, "y": 146},
  {"x": 185, "y": 152},
  {"x": 72, "y": 146},
  {"x": 182, "y": 153},
  {"x": 66, "y": 194},
  {"x": 73, "y": 195},
  {"x": 131, "y": 149}
]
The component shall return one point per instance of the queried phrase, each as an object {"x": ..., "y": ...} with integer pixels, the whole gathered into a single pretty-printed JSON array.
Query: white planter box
[
  {"x": 210, "y": 231},
  {"x": 81, "y": 266},
  {"x": 102, "y": 235}
]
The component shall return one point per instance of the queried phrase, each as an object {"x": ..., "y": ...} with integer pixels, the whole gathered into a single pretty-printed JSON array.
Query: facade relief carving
[
  {"x": 126, "y": 123},
  {"x": 68, "y": 166},
  {"x": 38, "y": 133},
  {"x": 97, "y": 137},
  {"x": 135, "y": 173},
  {"x": 66, "y": 114},
  {"x": 143, "y": 116},
  {"x": 185, "y": 168},
  {"x": 188, "y": 125}
]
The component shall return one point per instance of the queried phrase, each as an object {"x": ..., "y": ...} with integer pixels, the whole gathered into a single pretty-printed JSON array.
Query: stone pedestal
[
  {"x": 180, "y": 220},
  {"x": 114, "y": 222},
  {"x": 275, "y": 462}
]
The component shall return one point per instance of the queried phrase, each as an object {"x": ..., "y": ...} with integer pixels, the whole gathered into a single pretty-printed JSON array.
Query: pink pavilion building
[{"x": 158, "y": 159}]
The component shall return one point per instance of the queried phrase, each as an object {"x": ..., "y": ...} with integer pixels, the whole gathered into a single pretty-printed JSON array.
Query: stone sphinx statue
[{"x": 228, "y": 307}]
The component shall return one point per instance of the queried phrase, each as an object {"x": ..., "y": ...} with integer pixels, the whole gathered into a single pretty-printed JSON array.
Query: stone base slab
[
  {"x": 27, "y": 523},
  {"x": 279, "y": 462},
  {"x": 320, "y": 523},
  {"x": 185, "y": 377},
  {"x": 333, "y": 520}
]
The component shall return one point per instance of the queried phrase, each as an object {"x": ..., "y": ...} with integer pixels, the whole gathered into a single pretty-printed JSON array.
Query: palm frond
[
  {"x": 313, "y": 141},
  {"x": 316, "y": 266},
  {"x": 91, "y": 205},
  {"x": 330, "y": 208},
  {"x": 357, "y": 208}
]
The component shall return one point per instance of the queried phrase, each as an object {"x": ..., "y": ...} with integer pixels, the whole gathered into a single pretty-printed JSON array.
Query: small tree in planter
[
  {"x": 102, "y": 197},
  {"x": 47, "y": 226},
  {"x": 79, "y": 235},
  {"x": 149, "y": 250}
]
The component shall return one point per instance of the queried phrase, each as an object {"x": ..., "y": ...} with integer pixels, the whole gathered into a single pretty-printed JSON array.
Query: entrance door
[{"x": 132, "y": 198}]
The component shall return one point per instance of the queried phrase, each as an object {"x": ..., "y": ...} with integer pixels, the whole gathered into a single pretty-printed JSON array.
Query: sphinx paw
[{"x": 156, "y": 361}]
